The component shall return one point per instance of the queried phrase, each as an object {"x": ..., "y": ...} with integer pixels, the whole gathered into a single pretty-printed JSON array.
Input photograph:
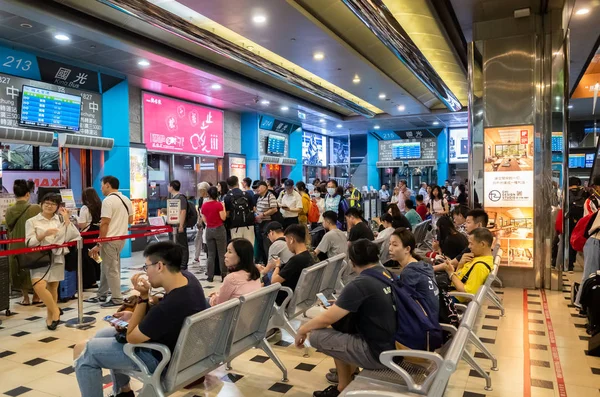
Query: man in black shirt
[
  {"x": 358, "y": 226},
  {"x": 288, "y": 274},
  {"x": 239, "y": 205},
  {"x": 356, "y": 341},
  {"x": 161, "y": 324},
  {"x": 174, "y": 188}
]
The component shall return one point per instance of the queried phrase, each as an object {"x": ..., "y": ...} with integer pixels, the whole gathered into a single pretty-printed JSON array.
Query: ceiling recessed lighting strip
[
  {"x": 378, "y": 18},
  {"x": 209, "y": 38}
]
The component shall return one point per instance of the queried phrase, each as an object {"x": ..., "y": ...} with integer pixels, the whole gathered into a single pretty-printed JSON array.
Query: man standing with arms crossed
[{"x": 115, "y": 217}]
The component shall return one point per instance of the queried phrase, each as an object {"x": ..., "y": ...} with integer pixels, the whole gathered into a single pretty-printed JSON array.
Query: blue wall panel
[
  {"x": 250, "y": 144},
  {"x": 296, "y": 153},
  {"x": 442, "y": 162},
  {"x": 373, "y": 175}
]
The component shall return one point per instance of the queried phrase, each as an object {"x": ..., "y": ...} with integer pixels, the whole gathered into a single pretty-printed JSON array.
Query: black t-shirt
[
  {"x": 374, "y": 313},
  {"x": 360, "y": 230},
  {"x": 401, "y": 221},
  {"x": 164, "y": 320},
  {"x": 454, "y": 245},
  {"x": 291, "y": 271},
  {"x": 183, "y": 200},
  {"x": 465, "y": 251}
]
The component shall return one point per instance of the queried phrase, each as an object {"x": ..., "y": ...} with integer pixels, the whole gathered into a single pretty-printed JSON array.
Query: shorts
[{"x": 349, "y": 348}]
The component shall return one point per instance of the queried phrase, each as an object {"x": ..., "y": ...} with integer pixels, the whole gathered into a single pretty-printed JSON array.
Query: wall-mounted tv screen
[
  {"x": 276, "y": 145},
  {"x": 54, "y": 110},
  {"x": 576, "y": 160},
  {"x": 406, "y": 150},
  {"x": 314, "y": 149},
  {"x": 458, "y": 145},
  {"x": 589, "y": 160}
]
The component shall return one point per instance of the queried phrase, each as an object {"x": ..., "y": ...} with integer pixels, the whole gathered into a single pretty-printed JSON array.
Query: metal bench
[
  {"x": 406, "y": 378},
  {"x": 332, "y": 275},
  {"x": 206, "y": 341},
  {"x": 299, "y": 301}
]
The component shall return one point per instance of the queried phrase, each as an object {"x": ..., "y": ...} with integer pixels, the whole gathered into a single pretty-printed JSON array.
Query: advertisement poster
[
  {"x": 314, "y": 149},
  {"x": 340, "y": 151},
  {"x": 508, "y": 191},
  {"x": 458, "y": 146},
  {"x": 176, "y": 126},
  {"x": 138, "y": 163},
  {"x": 237, "y": 167}
]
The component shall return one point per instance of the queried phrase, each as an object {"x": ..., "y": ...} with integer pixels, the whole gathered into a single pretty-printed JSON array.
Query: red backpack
[
  {"x": 313, "y": 212},
  {"x": 582, "y": 231}
]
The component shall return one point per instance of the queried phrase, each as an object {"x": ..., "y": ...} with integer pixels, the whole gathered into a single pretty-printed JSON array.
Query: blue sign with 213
[{"x": 18, "y": 63}]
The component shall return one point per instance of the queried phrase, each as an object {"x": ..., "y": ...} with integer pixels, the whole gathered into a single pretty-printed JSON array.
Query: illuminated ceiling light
[
  {"x": 376, "y": 127},
  {"x": 62, "y": 37},
  {"x": 339, "y": 126},
  {"x": 216, "y": 86},
  {"x": 582, "y": 11},
  {"x": 144, "y": 63},
  {"x": 321, "y": 120},
  {"x": 259, "y": 19},
  {"x": 401, "y": 108},
  {"x": 26, "y": 25},
  {"x": 356, "y": 79},
  {"x": 318, "y": 56},
  {"x": 382, "y": 96},
  {"x": 480, "y": 113},
  {"x": 570, "y": 106},
  {"x": 285, "y": 108},
  {"x": 250, "y": 48},
  {"x": 436, "y": 122},
  {"x": 265, "y": 102}
]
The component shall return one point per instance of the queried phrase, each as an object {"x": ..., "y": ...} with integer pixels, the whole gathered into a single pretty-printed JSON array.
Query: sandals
[{"x": 23, "y": 304}]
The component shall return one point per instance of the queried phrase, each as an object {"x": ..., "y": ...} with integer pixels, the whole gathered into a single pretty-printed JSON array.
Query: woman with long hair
[
  {"x": 89, "y": 221},
  {"x": 462, "y": 196},
  {"x": 214, "y": 215},
  {"x": 438, "y": 206},
  {"x": 47, "y": 228},
  {"x": 449, "y": 242},
  {"x": 222, "y": 189},
  {"x": 243, "y": 276}
]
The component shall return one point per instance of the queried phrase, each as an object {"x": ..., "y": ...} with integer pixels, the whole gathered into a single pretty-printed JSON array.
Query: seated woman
[
  {"x": 450, "y": 242},
  {"x": 242, "y": 277},
  {"x": 47, "y": 228}
]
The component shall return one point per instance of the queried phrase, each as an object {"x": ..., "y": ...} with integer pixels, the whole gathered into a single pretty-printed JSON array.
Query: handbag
[{"x": 35, "y": 260}]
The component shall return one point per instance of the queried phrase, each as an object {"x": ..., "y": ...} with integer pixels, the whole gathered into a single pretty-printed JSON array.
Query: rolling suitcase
[{"x": 68, "y": 287}]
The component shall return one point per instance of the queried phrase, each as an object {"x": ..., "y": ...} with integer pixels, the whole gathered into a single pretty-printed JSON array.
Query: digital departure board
[
  {"x": 276, "y": 145},
  {"x": 557, "y": 142},
  {"x": 577, "y": 160},
  {"x": 589, "y": 160},
  {"x": 406, "y": 150},
  {"x": 50, "y": 109}
]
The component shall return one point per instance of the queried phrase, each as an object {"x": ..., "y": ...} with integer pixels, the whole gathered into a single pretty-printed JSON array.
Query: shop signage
[
  {"x": 138, "y": 165},
  {"x": 428, "y": 148},
  {"x": 10, "y": 95},
  {"x": 173, "y": 211},
  {"x": 237, "y": 167},
  {"x": 271, "y": 124},
  {"x": 177, "y": 126},
  {"x": 68, "y": 198},
  {"x": 18, "y": 63},
  {"x": 408, "y": 134},
  {"x": 508, "y": 189},
  {"x": 69, "y": 76}
]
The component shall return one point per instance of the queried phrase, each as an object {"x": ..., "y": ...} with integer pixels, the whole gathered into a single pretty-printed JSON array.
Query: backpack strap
[
  {"x": 466, "y": 276},
  {"x": 11, "y": 227},
  {"x": 125, "y": 205}
]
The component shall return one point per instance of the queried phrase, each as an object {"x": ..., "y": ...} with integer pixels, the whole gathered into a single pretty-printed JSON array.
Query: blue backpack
[{"x": 416, "y": 328}]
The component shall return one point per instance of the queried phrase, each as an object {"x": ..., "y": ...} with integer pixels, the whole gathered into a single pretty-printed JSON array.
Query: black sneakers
[{"x": 331, "y": 391}]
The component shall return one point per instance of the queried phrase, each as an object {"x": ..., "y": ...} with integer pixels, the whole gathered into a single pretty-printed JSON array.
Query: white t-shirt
[
  {"x": 84, "y": 215},
  {"x": 113, "y": 208},
  {"x": 292, "y": 201}
]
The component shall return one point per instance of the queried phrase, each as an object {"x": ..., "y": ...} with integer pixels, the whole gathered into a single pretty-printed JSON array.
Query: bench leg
[
  {"x": 271, "y": 353},
  {"x": 151, "y": 391},
  {"x": 495, "y": 300},
  {"x": 471, "y": 361},
  {"x": 478, "y": 344}
]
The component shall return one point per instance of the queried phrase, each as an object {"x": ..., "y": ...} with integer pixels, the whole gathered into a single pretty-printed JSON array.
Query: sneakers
[
  {"x": 331, "y": 391},
  {"x": 124, "y": 394},
  {"x": 96, "y": 299},
  {"x": 332, "y": 376},
  {"x": 111, "y": 303}
]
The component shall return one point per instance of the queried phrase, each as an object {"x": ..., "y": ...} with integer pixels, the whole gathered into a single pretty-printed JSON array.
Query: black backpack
[
  {"x": 577, "y": 199},
  {"x": 242, "y": 213},
  {"x": 191, "y": 214}
]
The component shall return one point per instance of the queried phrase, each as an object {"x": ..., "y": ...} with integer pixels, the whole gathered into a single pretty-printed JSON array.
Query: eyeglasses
[
  {"x": 145, "y": 267},
  {"x": 50, "y": 204}
]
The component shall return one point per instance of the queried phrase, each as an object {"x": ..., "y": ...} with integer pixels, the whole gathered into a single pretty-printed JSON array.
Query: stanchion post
[
  {"x": 80, "y": 321},
  {"x": 175, "y": 230}
]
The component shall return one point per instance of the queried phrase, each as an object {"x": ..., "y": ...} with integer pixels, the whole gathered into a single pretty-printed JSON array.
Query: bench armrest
[
  {"x": 387, "y": 359},
  {"x": 451, "y": 329},
  {"x": 460, "y": 307},
  {"x": 462, "y": 295},
  {"x": 290, "y": 294},
  {"x": 129, "y": 350}
]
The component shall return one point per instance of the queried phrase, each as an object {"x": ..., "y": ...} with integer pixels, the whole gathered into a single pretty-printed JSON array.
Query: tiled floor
[{"x": 37, "y": 362}]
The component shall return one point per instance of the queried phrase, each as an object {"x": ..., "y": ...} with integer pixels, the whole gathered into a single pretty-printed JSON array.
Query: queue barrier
[{"x": 82, "y": 321}]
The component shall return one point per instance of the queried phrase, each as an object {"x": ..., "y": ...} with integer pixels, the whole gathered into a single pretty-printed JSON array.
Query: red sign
[
  {"x": 175, "y": 126},
  {"x": 524, "y": 137}
]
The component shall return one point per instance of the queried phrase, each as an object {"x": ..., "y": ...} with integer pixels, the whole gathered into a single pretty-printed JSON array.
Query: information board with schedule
[{"x": 50, "y": 109}]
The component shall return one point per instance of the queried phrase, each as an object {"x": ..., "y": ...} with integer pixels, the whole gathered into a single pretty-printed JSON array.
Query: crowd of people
[{"x": 259, "y": 233}]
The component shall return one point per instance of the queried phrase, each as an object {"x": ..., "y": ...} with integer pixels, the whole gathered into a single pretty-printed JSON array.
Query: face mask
[{"x": 331, "y": 190}]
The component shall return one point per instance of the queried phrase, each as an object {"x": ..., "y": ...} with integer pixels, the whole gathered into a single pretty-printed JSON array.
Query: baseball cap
[
  {"x": 273, "y": 226},
  {"x": 289, "y": 183},
  {"x": 203, "y": 186}
]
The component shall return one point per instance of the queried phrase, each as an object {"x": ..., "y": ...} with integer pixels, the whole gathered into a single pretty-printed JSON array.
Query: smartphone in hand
[
  {"x": 115, "y": 322},
  {"x": 323, "y": 300}
]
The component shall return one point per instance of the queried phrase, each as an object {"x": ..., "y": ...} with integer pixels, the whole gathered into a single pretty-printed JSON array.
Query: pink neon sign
[{"x": 177, "y": 126}]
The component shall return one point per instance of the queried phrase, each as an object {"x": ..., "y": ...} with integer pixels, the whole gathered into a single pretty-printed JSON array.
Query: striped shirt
[{"x": 264, "y": 204}]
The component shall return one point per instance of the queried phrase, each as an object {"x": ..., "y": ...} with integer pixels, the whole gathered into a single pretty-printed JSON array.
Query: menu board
[
  {"x": 138, "y": 163},
  {"x": 409, "y": 148},
  {"x": 176, "y": 126},
  {"x": 509, "y": 191},
  {"x": 458, "y": 146},
  {"x": 50, "y": 109},
  {"x": 10, "y": 94},
  {"x": 314, "y": 149}
]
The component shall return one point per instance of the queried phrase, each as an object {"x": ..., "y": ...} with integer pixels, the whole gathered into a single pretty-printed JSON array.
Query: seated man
[
  {"x": 368, "y": 332},
  {"x": 288, "y": 274},
  {"x": 335, "y": 241},
  {"x": 383, "y": 237},
  {"x": 277, "y": 250},
  {"x": 183, "y": 297},
  {"x": 357, "y": 226},
  {"x": 476, "y": 218},
  {"x": 472, "y": 275},
  {"x": 413, "y": 216}
]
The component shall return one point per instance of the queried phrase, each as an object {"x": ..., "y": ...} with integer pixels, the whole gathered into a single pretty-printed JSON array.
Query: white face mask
[{"x": 331, "y": 190}]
